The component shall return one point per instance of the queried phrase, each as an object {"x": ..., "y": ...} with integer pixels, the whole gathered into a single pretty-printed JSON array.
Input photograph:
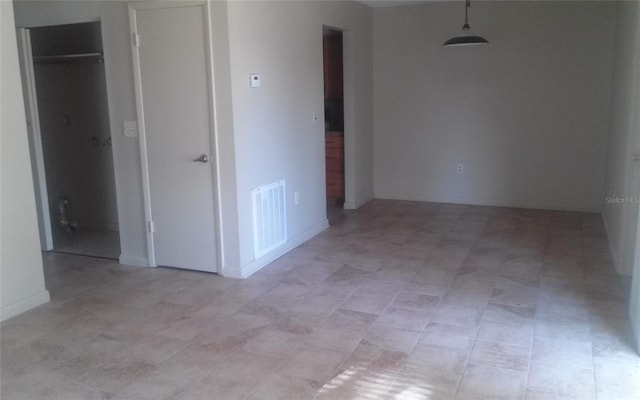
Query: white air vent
[{"x": 269, "y": 217}]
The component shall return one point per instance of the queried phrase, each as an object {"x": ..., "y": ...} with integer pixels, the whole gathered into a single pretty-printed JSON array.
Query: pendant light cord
[{"x": 466, "y": 13}]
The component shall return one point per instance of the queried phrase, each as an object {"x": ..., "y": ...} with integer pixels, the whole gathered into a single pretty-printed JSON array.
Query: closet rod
[{"x": 61, "y": 58}]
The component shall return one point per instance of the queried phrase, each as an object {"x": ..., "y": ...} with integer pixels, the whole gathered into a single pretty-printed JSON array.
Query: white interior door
[{"x": 174, "y": 115}]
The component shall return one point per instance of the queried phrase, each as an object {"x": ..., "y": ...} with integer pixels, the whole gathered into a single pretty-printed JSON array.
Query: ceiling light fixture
[{"x": 466, "y": 37}]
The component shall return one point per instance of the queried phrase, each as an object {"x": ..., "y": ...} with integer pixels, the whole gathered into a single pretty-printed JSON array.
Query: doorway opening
[
  {"x": 70, "y": 139},
  {"x": 333, "y": 66}
]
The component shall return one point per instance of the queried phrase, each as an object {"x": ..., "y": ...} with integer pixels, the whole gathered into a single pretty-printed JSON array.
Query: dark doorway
[{"x": 334, "y": 115}]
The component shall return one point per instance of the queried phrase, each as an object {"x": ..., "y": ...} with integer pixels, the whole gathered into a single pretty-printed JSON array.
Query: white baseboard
[
  {"x": 354, "y": 205},
  {"x": 581, "y": 207},
  {"x": 27, "y": 304},
  {"x": 635, "y": 328},
  {"x": 136, "y": 261},
  {"x": 256, "y": 265}
]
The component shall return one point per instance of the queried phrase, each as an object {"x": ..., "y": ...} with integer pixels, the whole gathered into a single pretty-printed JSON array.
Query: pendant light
[{"x": 466, "y": 37}]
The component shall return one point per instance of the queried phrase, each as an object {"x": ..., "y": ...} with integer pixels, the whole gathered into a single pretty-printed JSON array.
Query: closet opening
[{"x": 70, "y": 139}]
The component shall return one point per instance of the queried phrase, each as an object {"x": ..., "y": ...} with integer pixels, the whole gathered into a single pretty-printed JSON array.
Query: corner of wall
[
  {"x": 22, "y": 284},
  {"x": 256, "y": 265},
  {"x": 135, "y": 261},
  {"x": 13, "y": 309},
  {"x": 614, "y": 253},
  {"x": 225, "y": 141},
  {"x": 357, "y": 203}
]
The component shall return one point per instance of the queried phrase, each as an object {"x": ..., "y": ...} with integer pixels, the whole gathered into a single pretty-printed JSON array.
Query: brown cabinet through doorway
[{"x": 334, "y": 148}]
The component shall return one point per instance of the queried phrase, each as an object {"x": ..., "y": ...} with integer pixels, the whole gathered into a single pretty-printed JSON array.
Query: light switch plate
[{"x": 130, "y": 129}]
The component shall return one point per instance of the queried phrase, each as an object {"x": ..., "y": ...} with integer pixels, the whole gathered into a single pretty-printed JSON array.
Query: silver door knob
[
  {"x": 203, "y": 159},
  {"x": 635, "y": 157}
]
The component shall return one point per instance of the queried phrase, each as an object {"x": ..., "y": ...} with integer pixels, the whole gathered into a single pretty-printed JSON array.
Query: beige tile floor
[{"x": 398, "y": 300}]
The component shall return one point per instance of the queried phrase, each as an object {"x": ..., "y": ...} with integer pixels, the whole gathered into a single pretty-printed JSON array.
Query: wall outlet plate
[
  {"x": 254, "y": 80},
  {"x": 130, "y": 129}
]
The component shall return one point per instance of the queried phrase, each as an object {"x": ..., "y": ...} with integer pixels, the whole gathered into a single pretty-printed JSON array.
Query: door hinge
[
  {"x": 136, "y": 39},
  {"x": 151, "y": 226}
]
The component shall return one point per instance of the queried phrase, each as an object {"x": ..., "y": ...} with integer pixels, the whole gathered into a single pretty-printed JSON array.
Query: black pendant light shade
[{"x": 466, "y": 37}]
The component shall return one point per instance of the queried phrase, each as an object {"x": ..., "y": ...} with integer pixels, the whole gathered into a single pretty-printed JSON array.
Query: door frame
[
  {"x": 142, "y": 137},
  {"x": 35, "y": 138},
  {"x": 34, "y": 131}
]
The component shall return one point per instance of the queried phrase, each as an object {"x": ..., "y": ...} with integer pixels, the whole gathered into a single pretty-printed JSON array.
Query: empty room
[{"x": 396, "y": 200}]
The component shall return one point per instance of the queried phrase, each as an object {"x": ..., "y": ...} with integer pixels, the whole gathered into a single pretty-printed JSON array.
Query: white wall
[
  {"x": 620, "y": 218},
  {"x": 623, "y": 175},
  {"x": 21, "y": 275},
  {"x": 274, "y": 133},
  {"x": 262, "y": 135},
  {"x": 527, "y": 114}
]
